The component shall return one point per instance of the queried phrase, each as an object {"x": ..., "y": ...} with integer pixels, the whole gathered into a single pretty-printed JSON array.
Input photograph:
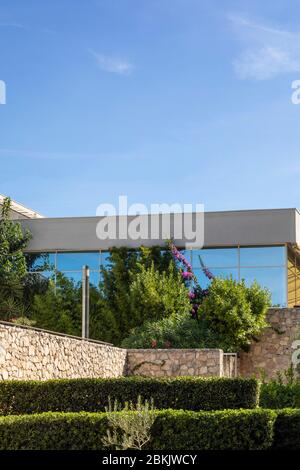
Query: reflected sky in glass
[
  {"x": 75, "y": 261},
  {"x": 263, "y": 256},
  {"x": 273, "y": 279}
]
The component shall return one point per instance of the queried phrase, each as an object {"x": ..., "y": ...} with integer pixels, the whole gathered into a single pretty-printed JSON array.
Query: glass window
[
  {"x": 75, "y": 261},
  {"x": 187, "y": 254},
  {"x": 104, "y": 258},
  {"x": 224, "y": 273},
  {"x": 263, "y": 256},
  {"x": 273, "y": 279},
  {"x": 43, "y": 274},
  {"x": 76, "y": 277},
  {"x": 215, "y": 257},
  {"x": 40, "y": 261}
]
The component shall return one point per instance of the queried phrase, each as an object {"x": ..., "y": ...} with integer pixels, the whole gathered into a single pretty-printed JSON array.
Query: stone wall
[
  {"x": 278, "y": 346},
  {"x": 27, "y": 353},
  {"x": 174, "y": 362},
  {"x": 30, "y": 353}
]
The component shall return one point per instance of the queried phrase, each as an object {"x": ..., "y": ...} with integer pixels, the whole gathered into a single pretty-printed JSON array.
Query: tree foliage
[{"x": 13, "y": 240}]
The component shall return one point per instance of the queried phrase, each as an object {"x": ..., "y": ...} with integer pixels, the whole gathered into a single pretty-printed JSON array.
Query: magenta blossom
[{"x": 187, "y": 275}]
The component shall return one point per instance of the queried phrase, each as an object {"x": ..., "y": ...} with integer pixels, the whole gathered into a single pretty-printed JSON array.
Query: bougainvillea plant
[{"x": 196, "y": 293}]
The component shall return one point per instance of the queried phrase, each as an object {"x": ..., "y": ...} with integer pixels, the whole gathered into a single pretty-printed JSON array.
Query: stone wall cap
[
  {"x": 153, "y": 350},
  {"x": 56, "y": 333}
]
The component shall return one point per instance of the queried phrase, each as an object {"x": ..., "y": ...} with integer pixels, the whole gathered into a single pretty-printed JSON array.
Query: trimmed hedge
[
  {"x": 287, "y": 430},
  {"x": 275, "y": 395},
  {"x": 91, "y": 395},
  {"x": 172, "y": 430}
]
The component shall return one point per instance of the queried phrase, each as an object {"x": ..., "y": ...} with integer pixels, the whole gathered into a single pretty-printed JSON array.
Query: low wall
[
  {"x": 27, "y": 353},
  {"x": 277, "y": 348},
  {"x": 33, "y": 354},
  {"x": 175, "y": 362}
]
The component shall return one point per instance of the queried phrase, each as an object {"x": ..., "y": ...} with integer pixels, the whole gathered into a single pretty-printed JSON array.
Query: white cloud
[
  {"x": 113, "y": 64},
  {"x": 268, "y": 52}
]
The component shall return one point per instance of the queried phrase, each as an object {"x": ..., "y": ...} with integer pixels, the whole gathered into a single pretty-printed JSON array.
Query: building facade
[{"x": 261, "y": 245}]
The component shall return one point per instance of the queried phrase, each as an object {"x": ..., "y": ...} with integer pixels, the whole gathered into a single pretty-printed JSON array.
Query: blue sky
[{"x": 183, "y": 101}]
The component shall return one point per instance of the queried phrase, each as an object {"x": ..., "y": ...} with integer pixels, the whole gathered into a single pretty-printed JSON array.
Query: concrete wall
[
  {"x": 175, "y": 362},
  {"x": 256, "y": 227},
  {"x": 27, "y": 353},
  {"x": 278, "y": 346}
]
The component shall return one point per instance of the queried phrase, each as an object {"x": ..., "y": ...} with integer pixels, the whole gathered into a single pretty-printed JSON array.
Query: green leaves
[
  {"x": 12, "y": 264},
  {"x": 235, "y": 312}
]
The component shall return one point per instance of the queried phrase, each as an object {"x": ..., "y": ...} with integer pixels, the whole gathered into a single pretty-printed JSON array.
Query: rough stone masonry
[{"x": 30, "y": 353}]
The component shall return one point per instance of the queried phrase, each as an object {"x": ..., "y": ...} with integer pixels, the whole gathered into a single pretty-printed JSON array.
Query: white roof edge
[{"x": 20, "y": 209}]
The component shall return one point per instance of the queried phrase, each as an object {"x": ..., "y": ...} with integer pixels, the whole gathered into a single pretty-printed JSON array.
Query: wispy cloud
[
  {"x": 268, "y": 52},
  {"x": 113, "y": 64},
  {"x": 12, "y": 25}
]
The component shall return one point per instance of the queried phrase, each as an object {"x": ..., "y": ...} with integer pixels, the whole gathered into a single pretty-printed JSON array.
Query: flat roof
[{"x": 221, "y": 228}]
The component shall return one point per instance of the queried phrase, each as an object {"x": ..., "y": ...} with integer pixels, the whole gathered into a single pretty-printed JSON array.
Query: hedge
[
  {"x": 172, "y": 430},
  {"x": 91, "y": 395},
  {"x": 287, "y": 430},
  {"x": 275, "y": 395}
]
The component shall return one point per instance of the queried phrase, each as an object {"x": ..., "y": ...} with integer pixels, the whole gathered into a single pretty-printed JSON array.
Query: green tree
[
  {"x": 154, "y": 294},
  {"x": 114, "y": 307},
  {"x": 235, "y": 312},
  {"x": 13, "y": 240},
  {"x": 59, "y": 308}
]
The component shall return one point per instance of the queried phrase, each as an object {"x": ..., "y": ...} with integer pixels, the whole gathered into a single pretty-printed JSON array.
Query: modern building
[{"x": 262, "y": 245}]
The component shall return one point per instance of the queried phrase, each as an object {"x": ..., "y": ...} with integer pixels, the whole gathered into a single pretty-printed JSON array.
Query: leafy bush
[
  {"x": 215, "y": 430},
  {"x": 287, "y": 430},
  {"x": 155, "y": 295},
  {"x": 175, "y": 331},
  {"x": 131, "y": 428},
  {"x": 235, "y": 312},
  {"x": 115, "y": 304},
  {"x": 276, "y": 395},
  {"x": 68, "y": 395},
  {"x": 172, "y": 430},
  {"x": 12, "y": 264}
]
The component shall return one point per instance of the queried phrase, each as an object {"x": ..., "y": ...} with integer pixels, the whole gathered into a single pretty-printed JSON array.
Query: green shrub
[
  {"x": 190, "y": 393},
  {"x": 174, "y": 430},
  {"x": 235, "y": 312},
  {"x": 176, "y": 331},
  {"x": 287, "y": 430},
  {"x": 276, "y": 395},
  {"x": 217, "y": 430},
  {"x": 154, "y": 295}
]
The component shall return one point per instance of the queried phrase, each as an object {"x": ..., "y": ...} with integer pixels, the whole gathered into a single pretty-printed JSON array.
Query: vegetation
[
  {"x": 147, "y": 298},
  {"x": 12, "y": 265},
  {"x": 131, "y": 428},
  {"x": 189, "y": 393},
  {"x": 235, "y": 312},
  {"x": 172, "y": 429},
  {"x": 282, "y": 391}
]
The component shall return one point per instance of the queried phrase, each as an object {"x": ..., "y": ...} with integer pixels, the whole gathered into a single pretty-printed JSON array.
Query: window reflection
[
  {"x": 40, "y": 261},
  {"x": 262, "y": 256},
  {"x": 246, "y": 262},
  {"x": 224, "y": 273},
  {"x": 273, "y": 279},
  {"x": 219, "y": 257},
  {"x": 75, "y": 261}
]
